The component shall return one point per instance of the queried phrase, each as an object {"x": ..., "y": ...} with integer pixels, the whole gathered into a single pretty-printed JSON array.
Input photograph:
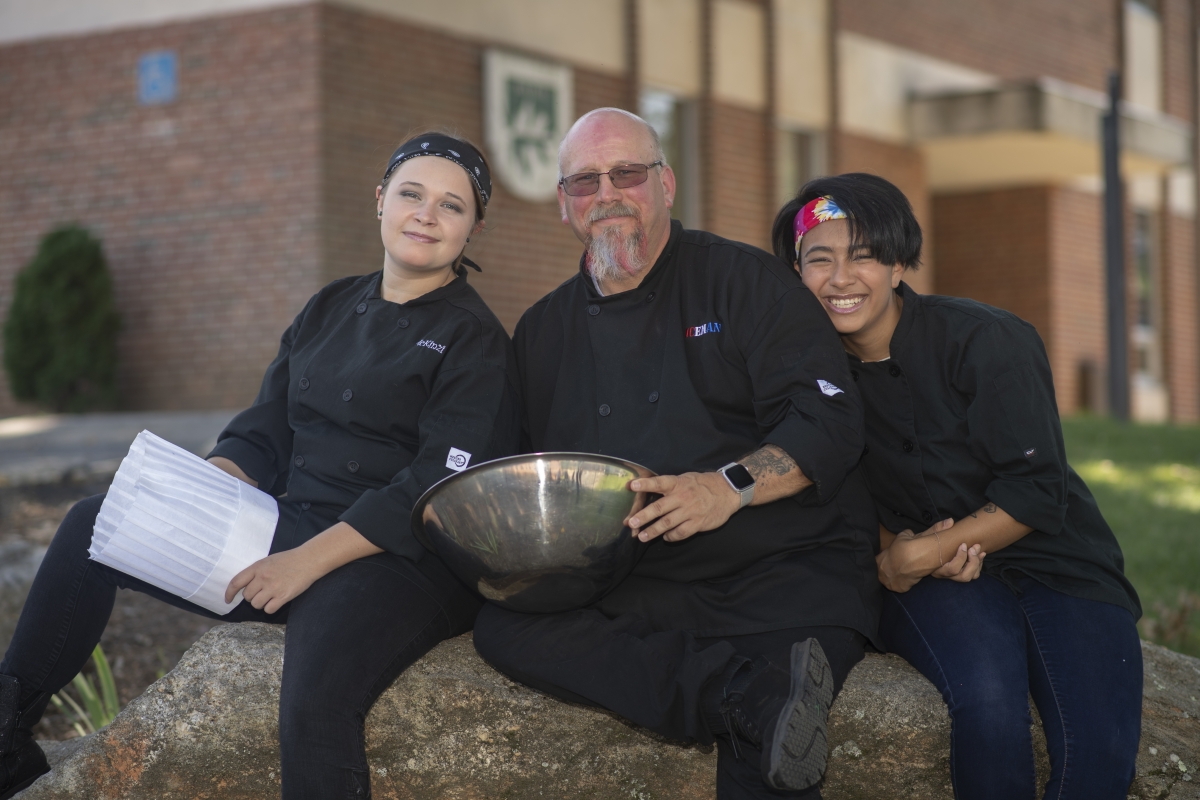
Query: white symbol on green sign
[{"x": 527, "y": 109}]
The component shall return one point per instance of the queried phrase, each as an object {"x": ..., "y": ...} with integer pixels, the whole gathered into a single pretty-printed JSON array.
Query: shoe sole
[
  {"x": 798, "y": 749},
  {"x": 14, "y": 790}
]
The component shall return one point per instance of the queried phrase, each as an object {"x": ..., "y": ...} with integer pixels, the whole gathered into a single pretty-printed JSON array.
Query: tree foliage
[{"x": 60, "y": 339}]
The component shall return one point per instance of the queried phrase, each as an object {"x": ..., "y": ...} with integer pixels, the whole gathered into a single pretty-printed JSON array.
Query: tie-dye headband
[{"x": 822, "y": 209}]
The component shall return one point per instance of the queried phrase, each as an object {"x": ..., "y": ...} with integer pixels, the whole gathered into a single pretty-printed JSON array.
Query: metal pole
[{"x": 1114, "y": 257}]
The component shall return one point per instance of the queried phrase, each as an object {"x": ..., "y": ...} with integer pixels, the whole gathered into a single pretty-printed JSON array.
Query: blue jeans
[
  {"x": 348, "y": 637},
  {"x": 987, "y": 649}
]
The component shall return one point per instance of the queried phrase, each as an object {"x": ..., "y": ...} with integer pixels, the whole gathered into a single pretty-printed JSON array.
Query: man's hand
[
  {"x": 271, "y": 582},
  {"x": 690, "y": 503}
]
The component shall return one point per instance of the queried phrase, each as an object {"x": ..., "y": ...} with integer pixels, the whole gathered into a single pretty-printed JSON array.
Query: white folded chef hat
[{"x": 179, "y": 523}]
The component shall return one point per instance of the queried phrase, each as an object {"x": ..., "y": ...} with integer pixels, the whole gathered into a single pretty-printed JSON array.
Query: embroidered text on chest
[
  {"x": 700, "y": 330},
  {"x": 432, "y": 345}
]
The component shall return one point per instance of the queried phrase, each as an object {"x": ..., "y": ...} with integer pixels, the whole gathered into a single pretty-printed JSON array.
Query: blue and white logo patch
[
  {"x": 458, "y": 459},
  {"x": 828, "y": 389}
]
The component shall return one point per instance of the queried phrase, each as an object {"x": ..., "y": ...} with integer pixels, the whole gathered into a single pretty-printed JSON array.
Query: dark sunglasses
[{"x": 625, "y": 176}]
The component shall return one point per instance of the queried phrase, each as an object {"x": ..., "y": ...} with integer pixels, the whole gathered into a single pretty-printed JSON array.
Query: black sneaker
[
  {"x": 784, "y": 713},
  {"x": 794, "y": 748}
]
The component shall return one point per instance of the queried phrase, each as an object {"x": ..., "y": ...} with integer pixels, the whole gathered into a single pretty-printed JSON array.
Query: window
[
  {"x": 677, "y": 123},
  {"x": 799, "y": 157}
]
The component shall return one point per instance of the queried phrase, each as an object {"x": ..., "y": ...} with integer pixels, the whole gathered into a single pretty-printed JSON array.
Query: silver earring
[{"x": 380, "y": 215}]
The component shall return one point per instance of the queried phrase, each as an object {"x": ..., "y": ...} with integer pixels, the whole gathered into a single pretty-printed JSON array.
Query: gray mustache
[{"x": 604, "y": 212}]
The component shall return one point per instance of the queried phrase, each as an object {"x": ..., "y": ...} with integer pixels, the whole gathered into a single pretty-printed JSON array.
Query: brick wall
[
  {"x": 992, "y": 247},
  {"x": 1073, "y": 40},
  {"x": 1079, "y": 330},
  {"x": 905, "y": 167},
  {"x": 206, "y": 206},
  {"x": 1181, "y": 334},
  {"x": 1178, "y": 40},
  {"x": 382, "y": 80},
  {"x": 739, "y": 207}
]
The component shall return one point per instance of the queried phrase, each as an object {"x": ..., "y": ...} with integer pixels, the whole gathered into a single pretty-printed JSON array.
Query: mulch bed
[{"x": 144, "y": 639}]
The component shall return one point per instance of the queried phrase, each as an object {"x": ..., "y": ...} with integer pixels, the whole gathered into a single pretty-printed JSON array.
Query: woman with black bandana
[
  {"x": 382, "y": 386},
  {"x": 1016, "y": 586}
]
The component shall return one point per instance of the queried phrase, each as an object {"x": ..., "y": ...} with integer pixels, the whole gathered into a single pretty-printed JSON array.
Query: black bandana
[{"x": 456, "y": 150}]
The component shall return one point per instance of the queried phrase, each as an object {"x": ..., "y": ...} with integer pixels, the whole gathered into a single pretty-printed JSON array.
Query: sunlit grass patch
[{"x": 1146, "y": 479}]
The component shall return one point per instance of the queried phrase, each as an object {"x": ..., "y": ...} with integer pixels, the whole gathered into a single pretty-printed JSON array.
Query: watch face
[{"x": 740, "y": 477}]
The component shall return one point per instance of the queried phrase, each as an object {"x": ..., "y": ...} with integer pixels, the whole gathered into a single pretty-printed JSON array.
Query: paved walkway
[{"x": 53, "y": 448}]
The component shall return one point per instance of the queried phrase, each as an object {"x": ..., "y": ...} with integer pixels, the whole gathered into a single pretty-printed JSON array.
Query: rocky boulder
[{"x": 451, "y": 727}]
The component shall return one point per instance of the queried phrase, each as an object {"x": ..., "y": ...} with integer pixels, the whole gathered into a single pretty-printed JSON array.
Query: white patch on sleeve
[
  {"x": 828, "y": 389},
  {"x": 458, "y": 459}
]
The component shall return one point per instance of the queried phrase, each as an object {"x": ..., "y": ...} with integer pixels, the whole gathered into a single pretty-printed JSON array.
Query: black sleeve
[
  {"x": 259, "y": 440},
  {"x": 804, "y": 396},
  {"x": 1013, "y": 422},
  {"x": 471, "y": 409}
]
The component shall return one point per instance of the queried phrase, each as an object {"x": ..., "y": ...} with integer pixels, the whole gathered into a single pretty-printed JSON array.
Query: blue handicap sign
[{"x": 158, "y": 77}]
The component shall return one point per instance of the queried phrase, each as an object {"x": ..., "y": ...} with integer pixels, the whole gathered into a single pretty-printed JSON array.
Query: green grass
[{"x": 1146, "y": 479}]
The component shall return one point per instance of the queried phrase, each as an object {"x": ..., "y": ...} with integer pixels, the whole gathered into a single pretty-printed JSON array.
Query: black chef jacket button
[
  {"x": 605, "y": 410},
  {"x": 925, "y": 515},
  {"x": 402, "y": 323},
  {"x": 894, "y": 371},
  {"x": 362, "y": 308},
  {"x": 854, "y": 374},
  {"x": 299, "y": 461},
  {"x": 908, "y": 446},
  {"x": 305, "y": 506},
  {"x": 346, "y": 395},
  {"x": 866, "y": 449},
  {"x": 305, "y": 383},
  {"x": 650, "y": 297},
  {"x": 593, "y": 309},
  {"x": 352, "y": 466},
  {"x": 654, "y": 397}
]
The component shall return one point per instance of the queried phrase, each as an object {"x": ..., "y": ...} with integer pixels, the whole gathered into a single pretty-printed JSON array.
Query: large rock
[{"x": 451, "y": 727}]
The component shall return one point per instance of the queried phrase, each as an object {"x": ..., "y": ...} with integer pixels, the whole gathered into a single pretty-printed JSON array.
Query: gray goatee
[{"x": 613, "y": 254}]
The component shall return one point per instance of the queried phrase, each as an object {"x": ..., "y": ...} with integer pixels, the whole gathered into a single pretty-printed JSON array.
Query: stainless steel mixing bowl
[{"x": 536, "y": 533}]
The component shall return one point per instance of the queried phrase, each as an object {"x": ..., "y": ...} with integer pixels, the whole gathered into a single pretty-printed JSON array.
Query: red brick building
[{"x": 226, "y": 152}]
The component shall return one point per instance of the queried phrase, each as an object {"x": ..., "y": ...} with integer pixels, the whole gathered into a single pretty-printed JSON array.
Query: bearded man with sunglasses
[{"x": 709, "y": 362}]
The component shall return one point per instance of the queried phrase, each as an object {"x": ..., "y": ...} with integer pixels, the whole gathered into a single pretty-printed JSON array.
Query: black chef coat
[
  {"x": 963, "y": 413},
  {"x": 360, "y": 410},
  {"x": 719, "y": 351}
]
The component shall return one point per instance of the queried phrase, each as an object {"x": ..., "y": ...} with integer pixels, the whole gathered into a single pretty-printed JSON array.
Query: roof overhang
[{"x": 1045, "y": 131}]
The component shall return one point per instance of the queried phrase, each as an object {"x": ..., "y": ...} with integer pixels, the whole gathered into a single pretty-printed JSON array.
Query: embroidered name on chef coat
[
  {"x": 432, "y": 345},
  {"x": 827, "y": 388},
  {"x": 700, "y": 330}
]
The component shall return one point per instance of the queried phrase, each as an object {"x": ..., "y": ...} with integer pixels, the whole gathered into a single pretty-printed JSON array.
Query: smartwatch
[{"x": 740, "y": 479}]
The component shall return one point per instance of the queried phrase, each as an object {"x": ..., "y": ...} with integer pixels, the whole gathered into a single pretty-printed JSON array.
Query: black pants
[
  {"x": 348, "y": 637},
  {"x": 653, "y": 678}
]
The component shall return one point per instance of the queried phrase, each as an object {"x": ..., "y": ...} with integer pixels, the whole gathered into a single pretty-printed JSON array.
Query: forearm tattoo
[
  {"x": 990, "y": 508},
  {"x": 769, "y": 461}
]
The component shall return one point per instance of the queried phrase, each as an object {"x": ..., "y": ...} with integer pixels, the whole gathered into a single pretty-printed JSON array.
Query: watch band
[{"x": 745, "y": 493}]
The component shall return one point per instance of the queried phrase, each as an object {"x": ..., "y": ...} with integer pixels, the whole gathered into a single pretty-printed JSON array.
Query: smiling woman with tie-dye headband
[{"x": 964, "y": 445}]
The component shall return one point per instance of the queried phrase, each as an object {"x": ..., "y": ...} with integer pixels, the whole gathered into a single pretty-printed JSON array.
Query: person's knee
[
  {"x": 990, "y": 707},
  {"x": 80, "y": 521},
  {"x": 493, "y": 633}
]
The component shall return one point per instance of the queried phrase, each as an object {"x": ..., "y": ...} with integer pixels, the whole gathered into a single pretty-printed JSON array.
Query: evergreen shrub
[{"x": 60, "y": 339}]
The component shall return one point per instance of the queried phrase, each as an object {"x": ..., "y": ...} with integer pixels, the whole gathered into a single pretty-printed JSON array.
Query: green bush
[{"x": 60, "y": 339}]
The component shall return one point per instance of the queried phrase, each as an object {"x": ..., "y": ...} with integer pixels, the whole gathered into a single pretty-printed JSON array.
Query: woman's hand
[
  {"x": 282, "y": 577},
  {"x": 910, "y": 557},
  {"x": 271, "y": 582},
  {"x": 966, "y": 566}
]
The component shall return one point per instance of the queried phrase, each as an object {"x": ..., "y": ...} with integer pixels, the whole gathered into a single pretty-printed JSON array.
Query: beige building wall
[
  {"x": 739, "y": 31},
  {"x": 801, "y": 39},
  {"x": 669, "y": 50}
]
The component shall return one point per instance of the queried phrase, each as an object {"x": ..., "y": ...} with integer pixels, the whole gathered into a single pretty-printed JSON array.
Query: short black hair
[{"x": 880, "y": 217}]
